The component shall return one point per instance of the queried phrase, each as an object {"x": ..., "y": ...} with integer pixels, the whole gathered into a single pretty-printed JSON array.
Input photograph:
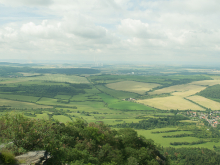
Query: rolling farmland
[
  {"x": 132, "y": 86},
  {"x": 48, "y": 77},
  {"x": 171, "y": 102},
  {"x": 21, "y": 105},
  {"x": 206, "y": 82},
  {"x": 112, "y": 99},
  {"x": 178, "y": 88},
  {"x": 213, "y": 105}
]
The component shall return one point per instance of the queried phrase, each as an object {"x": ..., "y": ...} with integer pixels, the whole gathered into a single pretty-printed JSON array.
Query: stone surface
[
  {"x": 33, "y": 157},
  {"x": 2, "y": 146}
]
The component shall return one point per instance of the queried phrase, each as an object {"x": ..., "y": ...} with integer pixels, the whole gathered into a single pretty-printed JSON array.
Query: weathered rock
[
  {"x": 33, "y": 157},
  {"x": 2, "y": 146}
]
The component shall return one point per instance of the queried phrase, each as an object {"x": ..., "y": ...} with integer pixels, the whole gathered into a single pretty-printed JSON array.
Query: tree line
[
  {"x": 152, "y": 123},
  {"x": 44, "y": 90}
]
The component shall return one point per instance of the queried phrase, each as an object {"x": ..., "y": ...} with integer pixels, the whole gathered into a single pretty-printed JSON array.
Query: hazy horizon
[{"x": 172, "y": 32}]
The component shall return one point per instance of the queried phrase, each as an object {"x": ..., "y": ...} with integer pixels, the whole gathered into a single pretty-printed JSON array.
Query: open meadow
[
  {"x": 48, "y": 77},
  {"x": 188, "y": 92},
  {"x": 171, "y": 102},
  {"x": 19, "y": 97},
  {"x": 117, "y": 93},
  {"x": 132, "y": 86},
  {"x": 122, "y": 105},
  {"x": 213, "y": 105},
  {"x": 207, "y": 82},
  {"x": 21, "y": 105},
  {"x": 191, "y": 88},
  {"x": 165, "y": 142}
]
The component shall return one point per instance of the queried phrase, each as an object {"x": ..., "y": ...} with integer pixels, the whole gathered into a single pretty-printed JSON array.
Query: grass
[
  {"x": 48, "y": 101},
  {"x": 177, "y": 88},
  {"x": 42, "y": 116},
  {"x": 171, "y": 102},
  {"x": 122, "y": 105},
  {"x": 205, "y": 102},
  {"x": 116, "y": 93},
  {"x": 215, "y": 77},
  {"x": 91, "y": 106},
  {"x": 29, "y": 74},
  {"x": 48, "y": 77},
  {"x": 63, "y": 97},
  {"x": 189, "y": 92},
  {"x": 132, "y": 86},
  {"x": 19, "y": 97},
  {"x": 63, "y": 78},
  {"x": 79, "y": 98},
  {"x": 62, "y": 118},
  {"x": 165, "y": 142},
  {"x": 38, "y": 82},
  {"x": 206, "y": 82},
  {"x": 21, "y": 105}
]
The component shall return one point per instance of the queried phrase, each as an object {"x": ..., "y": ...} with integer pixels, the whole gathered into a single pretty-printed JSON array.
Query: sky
[{"x": 169, "y": 31}]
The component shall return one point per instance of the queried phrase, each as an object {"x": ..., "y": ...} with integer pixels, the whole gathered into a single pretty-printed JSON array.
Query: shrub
[{"x": 6, "y": 157}]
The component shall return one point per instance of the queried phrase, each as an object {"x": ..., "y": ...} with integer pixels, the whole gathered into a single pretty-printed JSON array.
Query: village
[{"x": 211, "y": 117}]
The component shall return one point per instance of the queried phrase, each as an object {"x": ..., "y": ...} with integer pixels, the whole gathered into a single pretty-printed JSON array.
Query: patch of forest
[
  {"x": 211, "y": 92},
  {"x": 6, "y": 71},
  {"x": 192, "y": 156},
  {"x": 164, "y": 81},
  {"x": 46, "y": 90},
  {"x": 152, "y": 123}
]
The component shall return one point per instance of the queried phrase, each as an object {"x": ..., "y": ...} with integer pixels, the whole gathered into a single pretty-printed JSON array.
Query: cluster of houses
[
  {"x": 213, "y": 118},
  {"x": 129, "y": 99}
]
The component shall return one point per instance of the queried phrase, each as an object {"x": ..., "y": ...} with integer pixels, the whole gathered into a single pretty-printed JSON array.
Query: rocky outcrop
[
  {"x": 33, "y": 157},
  {"x": 2, "y": 146}
]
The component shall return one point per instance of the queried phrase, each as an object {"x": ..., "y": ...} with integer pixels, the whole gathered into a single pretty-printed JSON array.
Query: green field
[
  {"x": 61, "y": 118},
  {"x": 21, "y": 105},
  {"x": 19, "y": 97},
  {"x": 48, "y": 77},
  {"x": 122, "y": 105},
  {"x": 48, "y": 101},
  {"x": 165, "y": 142},
  {"x": 117, "y": 94},
  {"x": 63, "y": 97}
]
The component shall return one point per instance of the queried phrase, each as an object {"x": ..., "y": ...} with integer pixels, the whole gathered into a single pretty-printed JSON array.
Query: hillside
[{"x": 78, "y": 142}]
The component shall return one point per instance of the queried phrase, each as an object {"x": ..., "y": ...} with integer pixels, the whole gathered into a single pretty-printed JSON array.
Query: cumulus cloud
[
  {"x": 136, "y": 28},
  {"x": 112, "y": 29},
  {"x": 26, "y": 2}
]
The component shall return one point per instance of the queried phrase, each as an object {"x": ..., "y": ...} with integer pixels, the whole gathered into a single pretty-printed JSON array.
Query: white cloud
[
  {"x": 26, "y": 2},
  {"x": 112, "y": 29}
]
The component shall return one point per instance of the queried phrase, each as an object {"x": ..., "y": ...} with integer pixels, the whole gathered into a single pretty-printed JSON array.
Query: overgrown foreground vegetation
[{"x": 78, "y": 142}]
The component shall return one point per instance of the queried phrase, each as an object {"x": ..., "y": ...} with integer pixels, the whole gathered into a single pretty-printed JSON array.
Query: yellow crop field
[
  {"x": 170, "y": 102},
  {"x": 132, "y": 86},
  {"x": 49, "y": 77},
  {"x": 215, "y": 77},
  {"x": 206, "y": 82},
  {"x": 189, "y": 92},
  {"x": 29, "y": 74},
  {"x": 63, "y": 78},
  {"x": 177, "y": 88},
  {"x": 205, "y": 102}
]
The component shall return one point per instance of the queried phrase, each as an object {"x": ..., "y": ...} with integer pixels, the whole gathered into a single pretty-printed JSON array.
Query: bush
[
  {"x": 6, "y": 157},
  {"x": 79, "y": 142}
]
